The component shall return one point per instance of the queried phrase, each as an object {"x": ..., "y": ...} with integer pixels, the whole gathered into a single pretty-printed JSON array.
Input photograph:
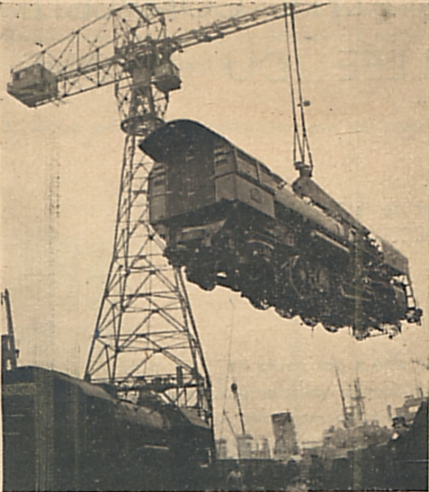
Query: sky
[{"x": 365, "y": 71}]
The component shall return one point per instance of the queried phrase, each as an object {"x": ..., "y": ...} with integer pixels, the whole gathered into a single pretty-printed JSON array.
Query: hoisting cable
[
  {"x": 229, "y": 368},
  {"x": 296, "y": 139},
  {"x": 302, "y": 139},
  {"x": 306, "y": 143}
]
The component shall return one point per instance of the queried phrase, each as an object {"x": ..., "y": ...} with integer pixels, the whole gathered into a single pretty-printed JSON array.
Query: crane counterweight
[{"x": 33, "y": 85}]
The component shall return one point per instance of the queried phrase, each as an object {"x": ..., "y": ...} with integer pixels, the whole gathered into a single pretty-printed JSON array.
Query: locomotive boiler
[{"x": 230, "y": 221}]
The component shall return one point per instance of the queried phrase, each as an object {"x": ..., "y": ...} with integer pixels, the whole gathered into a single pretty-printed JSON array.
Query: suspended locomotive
[{"x": 232, "y": 222}]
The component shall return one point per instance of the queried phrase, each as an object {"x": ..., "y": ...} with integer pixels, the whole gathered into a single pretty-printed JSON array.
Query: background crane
[
  {"x": 9, "y": 351},
  {"x": 243, "y": 440},
  {"x": 234, "y": 389},
  {"x": 145, "y": 319}
]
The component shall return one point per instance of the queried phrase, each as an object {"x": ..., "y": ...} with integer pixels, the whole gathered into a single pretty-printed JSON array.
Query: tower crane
[
  {"x": 145, "y": 334},
  {"x": 234, "y": 434},
  {"x": 234, "y": 389},
  {"x": 243, "y": 440}
]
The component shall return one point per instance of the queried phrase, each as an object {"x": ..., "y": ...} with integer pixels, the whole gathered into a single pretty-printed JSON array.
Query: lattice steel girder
[
  {"x": 145, "y": 325},
  {"x": 104, "y": 51}
]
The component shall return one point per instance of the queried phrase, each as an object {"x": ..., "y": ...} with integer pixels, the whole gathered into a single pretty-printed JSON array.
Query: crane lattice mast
[{"x": 145, "y": 334}]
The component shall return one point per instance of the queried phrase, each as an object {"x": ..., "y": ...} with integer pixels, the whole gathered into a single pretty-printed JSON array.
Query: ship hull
[{"x": 61, "y": 433}]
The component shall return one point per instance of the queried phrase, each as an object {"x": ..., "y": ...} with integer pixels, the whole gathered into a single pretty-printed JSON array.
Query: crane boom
[
  {"x": 96, "y": 56},
  {"x": 219, "y": 30},
  {"x": 234, "y": 389},
  {"x": 230, "y": 424}
]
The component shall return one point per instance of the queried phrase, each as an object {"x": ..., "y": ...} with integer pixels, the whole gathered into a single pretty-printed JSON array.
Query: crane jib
[{"x": 39, "y": 82}]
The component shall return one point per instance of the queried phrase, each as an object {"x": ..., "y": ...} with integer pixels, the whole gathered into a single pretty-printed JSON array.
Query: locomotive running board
[{"x": 305, "y": 186}]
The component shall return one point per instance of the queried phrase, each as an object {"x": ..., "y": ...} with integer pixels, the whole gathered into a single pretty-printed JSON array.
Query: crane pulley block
[
  {"x": 33, "y": 85},
  {"x": 167, "y": 77}
]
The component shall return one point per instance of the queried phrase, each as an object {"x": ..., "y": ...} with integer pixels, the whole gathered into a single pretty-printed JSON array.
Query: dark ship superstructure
[
  {"x": 363, "y": 455},
  {"x": 231, "y": 221},
  {"x": 401, "y": 463},
  {"x": 406, "y": 413},
  {"x": 356, "y": 431},
  {"x": 62, "y": 433}
]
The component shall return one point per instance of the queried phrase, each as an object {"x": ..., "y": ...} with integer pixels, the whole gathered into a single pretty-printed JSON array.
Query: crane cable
[
  {"x": 300, "y": 140},
  {"x": 229, "y": 369}
]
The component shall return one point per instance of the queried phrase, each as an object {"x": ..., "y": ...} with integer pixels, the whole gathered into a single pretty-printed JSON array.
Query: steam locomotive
[{"x": 232, "y": 222}]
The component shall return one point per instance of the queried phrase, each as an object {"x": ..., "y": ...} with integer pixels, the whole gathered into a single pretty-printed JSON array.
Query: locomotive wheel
[
  {"x": 285, "y": 313},
  {"x": 262, "y": 304},
  {"x": 257, "y": 295},
  {"x": 257, "y": 279},
  {"x": 257, "y": 292},
  {"x": 360, "y": 331},
  {"x": 205, "y": 279},
  {"x": 323, "y": 280},
  {"x": 330, "y": 328},
  {"x": 308, "y": 321},
  {"x": 300, "y": 277}
]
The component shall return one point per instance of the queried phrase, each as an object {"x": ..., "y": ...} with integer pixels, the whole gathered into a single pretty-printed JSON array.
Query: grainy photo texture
[{"x": 215, "y": 243}]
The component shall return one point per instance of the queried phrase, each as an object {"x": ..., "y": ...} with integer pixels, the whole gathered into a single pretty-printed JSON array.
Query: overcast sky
[{"x": 365, "y": 70}]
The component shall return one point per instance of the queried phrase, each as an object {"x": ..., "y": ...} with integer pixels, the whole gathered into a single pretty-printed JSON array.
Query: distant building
[
  {"x": 245, "y": 446},
  {"x": 285, "y": 440},
  {"x": 221, "y": 449},
  {"x": 262, "y": 450},
  {"x": 249, "y": 448}
]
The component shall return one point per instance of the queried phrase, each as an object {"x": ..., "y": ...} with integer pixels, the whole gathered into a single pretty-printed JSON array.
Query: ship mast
[
  {"x": 9, "y": 358},
  {"x": 346, "y": 413},
  {"x": 359, "y": 406}
]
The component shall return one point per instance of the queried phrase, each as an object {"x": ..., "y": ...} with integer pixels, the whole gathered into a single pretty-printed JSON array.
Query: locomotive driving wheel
[
  {"x": 256, "y": 283},
  {"x": 257, "y": 272},
  {"x": 206, "y": 279},
  {"x": 322, "y": 279},
  {"x": 258, "y": 293},
  {"x": 287, "y": 313},
  {"x": 300, "y": 277}
]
